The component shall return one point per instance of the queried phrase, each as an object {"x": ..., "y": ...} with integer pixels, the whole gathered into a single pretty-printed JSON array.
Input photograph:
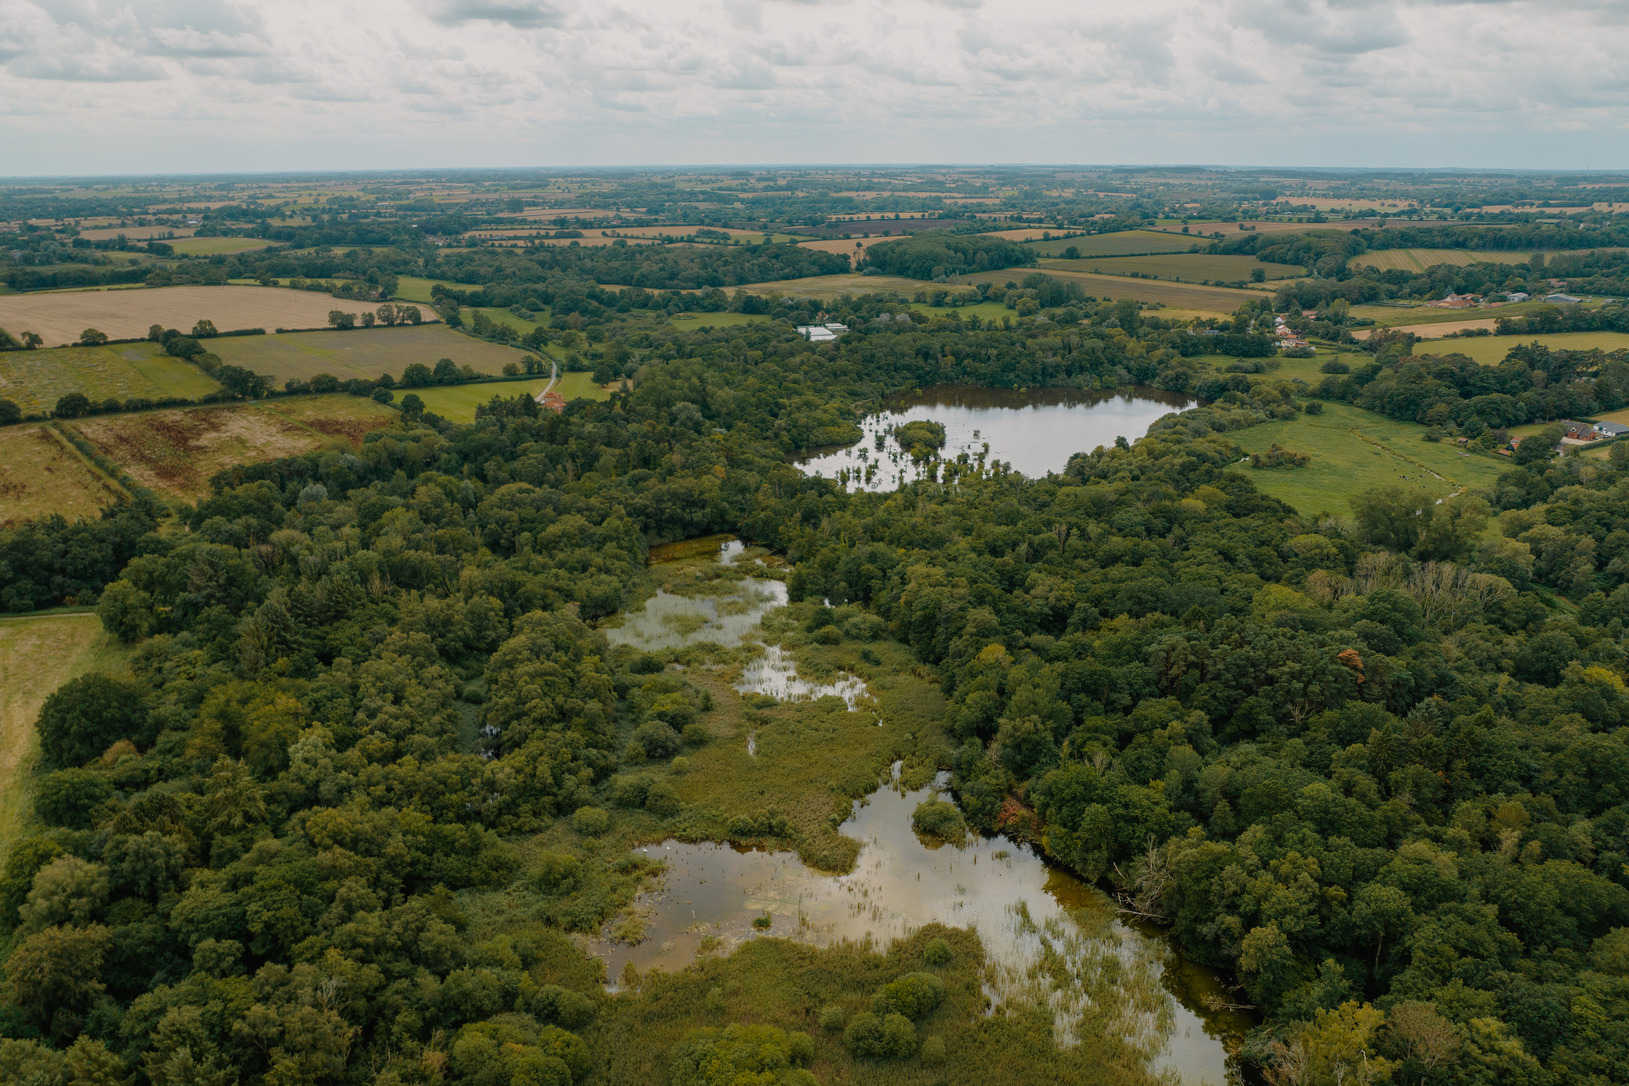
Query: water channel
[
  {"x": 1122, "y": 977},
  {"x": 1033, "y": 431}
]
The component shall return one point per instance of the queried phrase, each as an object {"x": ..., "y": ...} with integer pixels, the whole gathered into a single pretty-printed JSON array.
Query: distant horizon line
[{"x": 697, "y": 167}]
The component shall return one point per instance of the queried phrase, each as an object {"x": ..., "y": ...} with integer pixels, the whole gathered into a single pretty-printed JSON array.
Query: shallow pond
[
  {"x": 1027, "y": 914},
  {"x": 1034, "y": 432},
  {"x": 1122, "y": 979}
]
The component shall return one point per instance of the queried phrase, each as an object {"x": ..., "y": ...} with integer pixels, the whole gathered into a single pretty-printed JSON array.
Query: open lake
[{"x": 1033, "y": 432}]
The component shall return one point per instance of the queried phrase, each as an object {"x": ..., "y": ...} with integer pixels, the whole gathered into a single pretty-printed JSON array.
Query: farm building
[
  {"x": 1518, "y": 296},
  {"x": 1611, "y": 429},
  {"x": 821, "y": 333},
  {"x": 1562, "y": 299}
]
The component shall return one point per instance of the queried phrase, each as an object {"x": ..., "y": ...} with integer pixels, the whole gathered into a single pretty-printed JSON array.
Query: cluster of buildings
[
  {"x": 821, "y": 333},
  {"x": 1286, "y": 336},
  {"x": 1575, "y": 433},
  {"x": 1476, "y": 301}
]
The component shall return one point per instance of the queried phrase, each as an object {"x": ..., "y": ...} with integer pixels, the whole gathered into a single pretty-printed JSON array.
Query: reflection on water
[
  {"x": 1034, "y": 432},
  {"x": 1037, "y": 924},
  {"x": 774, "y": 674},
  {"x": 668, "y": 621}
]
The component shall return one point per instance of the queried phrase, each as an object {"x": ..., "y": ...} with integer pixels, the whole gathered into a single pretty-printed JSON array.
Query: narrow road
[{"x": 554, "y": 375}]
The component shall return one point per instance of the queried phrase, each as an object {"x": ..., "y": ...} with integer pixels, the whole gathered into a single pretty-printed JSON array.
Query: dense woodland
[
  {"x": 376, "y": 767},
  {"x": 1376, "y": 771}
]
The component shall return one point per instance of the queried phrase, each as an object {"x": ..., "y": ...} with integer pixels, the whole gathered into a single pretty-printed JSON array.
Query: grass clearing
[
  {"x": 41, "y": 474},
  {"x": 1353, "y": 450},
  {"x": 458, "y": 402},
  {"x": 1123, "y": 243},
  {"x": 1188, "y": 267},
  {"x": 127, "y": 314},
  {"x": 34, "y": 380},
  {"x": 361, "y": 352},
  {"x": 175, "y": 452},
  {"x": 414, "y": 288},
  {"x": 693, "y": 321},
  {"x": 37, "y": 655}
]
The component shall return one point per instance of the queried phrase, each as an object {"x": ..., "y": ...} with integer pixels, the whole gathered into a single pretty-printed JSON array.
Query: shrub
[
  {"x": 658, "y": 738},
  {"x": 662, "y": 801},
  {"x": 865, "y": 628},
  {"x": 762, "y": 1055},
  {"x": 937, "y": 818},
  {"x": 1315, "y": 407},
  {"x": 1334, "y": 365},
  {"x": 590, "y": 821},
  {"x": 630, "y": 791},
  {"x": 558, "y": 873},
  {"x": 912, "y": 995},
  {"x": 828, "y": 635},
  {"x": 933, "y": 1051},
  {"x": 831, "y": 1018},
  {"x": 880, "y": 1037},
  {"x": 697, "y": 735},
  {"x": 937, "y": 952}
]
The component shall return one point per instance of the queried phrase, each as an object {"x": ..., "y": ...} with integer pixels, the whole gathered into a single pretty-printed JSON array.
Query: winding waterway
[{"x": 1033, "y": 431}]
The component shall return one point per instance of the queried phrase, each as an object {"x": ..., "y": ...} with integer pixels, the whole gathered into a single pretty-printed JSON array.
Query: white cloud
[{"x": 282, "y": 84}]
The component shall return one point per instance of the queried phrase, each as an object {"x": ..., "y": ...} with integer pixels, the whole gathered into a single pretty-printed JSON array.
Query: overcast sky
[{"x": 111, "y": 86}]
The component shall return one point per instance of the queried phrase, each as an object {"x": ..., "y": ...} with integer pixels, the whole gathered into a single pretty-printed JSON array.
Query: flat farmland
[
  {"x": 127, "y": 314},
  {"x": 34, "y": 380},
  {"x": 211, "y": 246},
  {"x": 1177, "y": 295},
  {"x": 361, "y": 352},
  {"x": 1353, "y": 450},
  {"x": 1124, "y": 243},
  {"x": 41, "y": 474},
  {"x": 1189, "y": 267},
  {"x": 851, "y": 247},
  {"x": 1420, "y": 259},
  {"x": 138, "y": 233},
  {"x": 174, "y": 452},
  {"x": 1490, "y": 350},
  {"x": 1414, "y": 318},
  {"x": 458, "y": 402},
  {"x": 38, "y": 654},
  {"x": 692, "y": 321},
  {"x": 829, "y": 286}
]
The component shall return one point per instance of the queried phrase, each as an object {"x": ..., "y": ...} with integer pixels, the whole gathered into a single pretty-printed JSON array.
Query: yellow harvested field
[
  {"x": 41, "y": 474},
  {"x": 37, "y": 655},
  {"x": 1333, "y": 203},
  {"x": 1432, "y": 331},
  {"x": 175, "y": 452},
  {"x": 126, "y": 314},
  {"x": 1420, "y": 259},
  {"x": 853, "y": 247}
]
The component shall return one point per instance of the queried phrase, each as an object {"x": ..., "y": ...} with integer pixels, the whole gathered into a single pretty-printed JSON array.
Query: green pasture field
[
  {"x": 458, "y": 402},
  {"x": 1124, "y": 243},
  {"x": 34, "y": 380},
  {"x": 1210, "y": 300},
  {"x": 212, "y": 246},
  {"x": 360, "y": 352},
  {"x": 1354, "y": 450},
  {"x": 413, "y": 288},
  {"x": 1187, "y": 267},
  {"x": 37, "y": 655},
  {"x": 1490, "y": 350}
]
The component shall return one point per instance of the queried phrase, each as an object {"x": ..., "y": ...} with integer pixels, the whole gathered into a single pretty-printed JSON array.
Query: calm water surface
[{"x": 1034, "y": 432}]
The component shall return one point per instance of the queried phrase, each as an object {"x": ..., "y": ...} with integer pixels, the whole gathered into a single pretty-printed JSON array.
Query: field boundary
[{"x": 90, "y": 460}]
